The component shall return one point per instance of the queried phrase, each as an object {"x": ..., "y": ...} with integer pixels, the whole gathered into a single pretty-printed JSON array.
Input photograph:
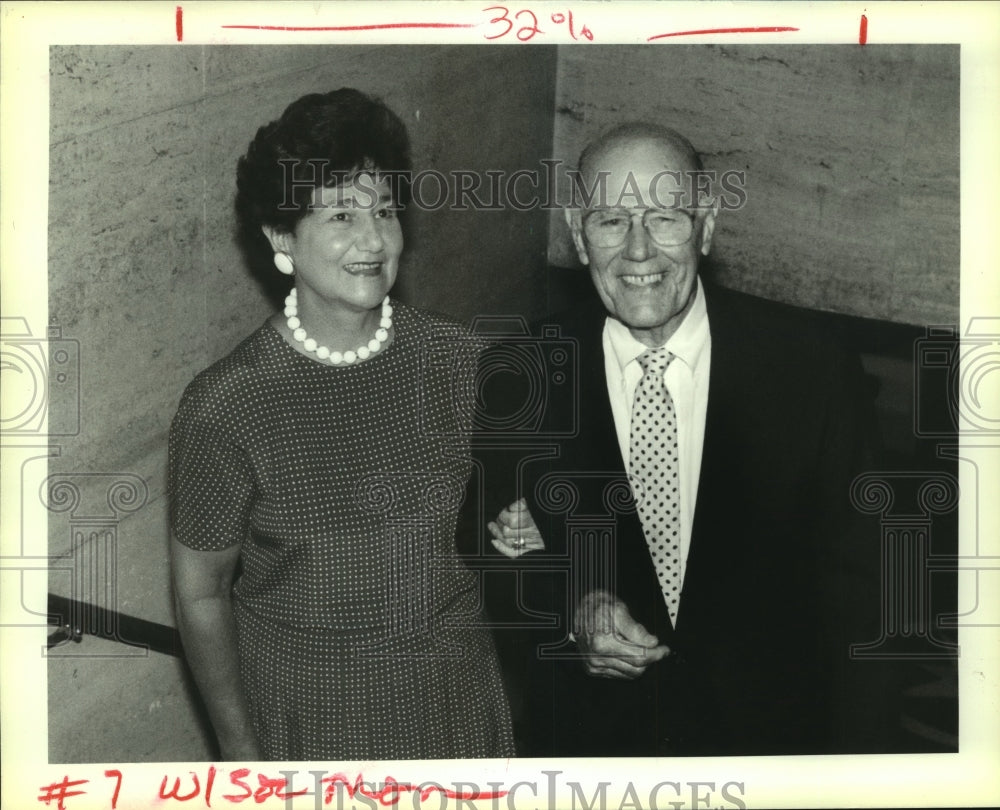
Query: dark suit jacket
[{"x": 781, "y": 577}]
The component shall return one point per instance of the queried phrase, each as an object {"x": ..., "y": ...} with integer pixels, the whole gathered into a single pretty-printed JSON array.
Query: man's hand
[
  {"x": 615, "y": 644},
  {"x": 514, "y": 531}
]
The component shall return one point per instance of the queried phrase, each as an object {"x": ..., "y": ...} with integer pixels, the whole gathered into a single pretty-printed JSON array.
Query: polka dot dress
[
  {"x": 356, "y": 618},
  {"x": 653, "y": 466}
]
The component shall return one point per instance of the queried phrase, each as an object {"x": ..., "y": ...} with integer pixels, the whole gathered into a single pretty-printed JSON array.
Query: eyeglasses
[{"x": 667, "y": 227}]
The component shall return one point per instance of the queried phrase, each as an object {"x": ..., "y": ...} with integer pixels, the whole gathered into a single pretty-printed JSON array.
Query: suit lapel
[
  {"x": 715, "y": 524},
  {"x": 597, "y": 450},
  {"x": 597, "y": 423}
]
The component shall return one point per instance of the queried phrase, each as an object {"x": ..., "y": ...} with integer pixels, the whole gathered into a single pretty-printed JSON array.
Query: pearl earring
[{"x": 284, "y": 263}]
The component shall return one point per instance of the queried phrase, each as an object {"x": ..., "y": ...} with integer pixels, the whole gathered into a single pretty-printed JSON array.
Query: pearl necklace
[{"x": 322, "y": 352}]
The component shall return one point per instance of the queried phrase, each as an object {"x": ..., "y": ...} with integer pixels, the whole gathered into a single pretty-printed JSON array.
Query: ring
[{"x": 519, "y": 542}]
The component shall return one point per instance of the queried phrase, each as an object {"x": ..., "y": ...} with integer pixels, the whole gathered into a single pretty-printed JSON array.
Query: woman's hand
[
  {"x": 203, "y": 582},
  {"x": 514, "y": 531}
]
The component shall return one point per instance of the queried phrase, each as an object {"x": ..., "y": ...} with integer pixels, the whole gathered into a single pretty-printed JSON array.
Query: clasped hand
[
  {"x": 514, "y": 531},
  {"x": 613, "y": 643}
]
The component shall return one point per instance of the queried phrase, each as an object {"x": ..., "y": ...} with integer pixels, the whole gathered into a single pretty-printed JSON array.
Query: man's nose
[{"x": 638, "y": 245}]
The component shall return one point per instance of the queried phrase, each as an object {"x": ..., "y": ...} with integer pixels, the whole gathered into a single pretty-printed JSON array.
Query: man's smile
[{"x": 643, "y": 280}]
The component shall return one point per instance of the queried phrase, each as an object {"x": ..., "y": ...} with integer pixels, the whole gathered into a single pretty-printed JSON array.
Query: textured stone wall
[{"x": 851, "y": 157}]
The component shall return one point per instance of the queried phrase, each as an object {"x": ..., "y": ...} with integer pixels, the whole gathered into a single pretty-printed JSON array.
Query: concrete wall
[
  {"x": 851, "y": 158},
  {"x": 145, "y": 273}
]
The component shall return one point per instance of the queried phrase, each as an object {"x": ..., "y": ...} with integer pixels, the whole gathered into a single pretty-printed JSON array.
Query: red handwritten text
[
  {"x": 392, "y": 791},
  {"x": 773, "y": 29},
  {"x": 529, "y": 27},
  {"x": 268, "y": 787},
  {"x": 117, "y": 775},
  {"x": 60, "y": 791},
  {"x": 195, "y": 790},
  {"x": 559, "y": 18},
  {"x": 200, "y": 786},
  {"x": 374, "y": 27}
]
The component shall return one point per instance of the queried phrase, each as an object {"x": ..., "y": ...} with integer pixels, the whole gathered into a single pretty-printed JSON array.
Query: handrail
[{"x": 76, "y": 619}]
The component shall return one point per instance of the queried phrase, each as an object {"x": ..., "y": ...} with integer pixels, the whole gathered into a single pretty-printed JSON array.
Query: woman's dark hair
[{"x": 323, "y": 139}]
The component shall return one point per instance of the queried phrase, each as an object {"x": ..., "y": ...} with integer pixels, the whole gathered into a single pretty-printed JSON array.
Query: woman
[{"x": 315, "y": 478}]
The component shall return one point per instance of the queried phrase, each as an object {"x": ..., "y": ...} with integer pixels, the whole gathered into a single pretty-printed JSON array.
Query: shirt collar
[{"x": 688, "y": 343}]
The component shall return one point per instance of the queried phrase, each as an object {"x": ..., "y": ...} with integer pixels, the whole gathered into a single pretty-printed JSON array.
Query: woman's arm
[{"x": 202, "y": 585}]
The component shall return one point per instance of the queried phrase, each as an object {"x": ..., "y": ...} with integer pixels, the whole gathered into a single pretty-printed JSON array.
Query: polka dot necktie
[{"x": 653, "y": 470}]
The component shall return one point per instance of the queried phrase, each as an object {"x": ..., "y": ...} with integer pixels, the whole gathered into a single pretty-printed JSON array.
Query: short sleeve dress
[{"x": 359, "y": 629}]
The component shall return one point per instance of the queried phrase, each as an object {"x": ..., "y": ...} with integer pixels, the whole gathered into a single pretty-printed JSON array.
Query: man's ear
[
  {"x": 708, "y": 227},
  {"x": 280, "y": 241},
  {"x": 574, "y": 219}
]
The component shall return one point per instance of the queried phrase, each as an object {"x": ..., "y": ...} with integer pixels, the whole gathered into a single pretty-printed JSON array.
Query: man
[{"x": 713, "y": 613}]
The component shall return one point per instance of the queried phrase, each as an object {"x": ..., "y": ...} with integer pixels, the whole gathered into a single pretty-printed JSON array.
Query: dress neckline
[{"x": 374, "y": 360}]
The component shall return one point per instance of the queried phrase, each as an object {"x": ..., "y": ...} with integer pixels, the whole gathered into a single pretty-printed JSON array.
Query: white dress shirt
[{"x": 686, "y": 379}]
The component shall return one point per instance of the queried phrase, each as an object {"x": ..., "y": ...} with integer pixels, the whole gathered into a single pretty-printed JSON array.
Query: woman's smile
[{"x": 364, "y": 268}]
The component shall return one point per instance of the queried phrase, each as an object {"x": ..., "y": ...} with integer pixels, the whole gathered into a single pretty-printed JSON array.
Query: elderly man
[{"x": 712, "y": 612}]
